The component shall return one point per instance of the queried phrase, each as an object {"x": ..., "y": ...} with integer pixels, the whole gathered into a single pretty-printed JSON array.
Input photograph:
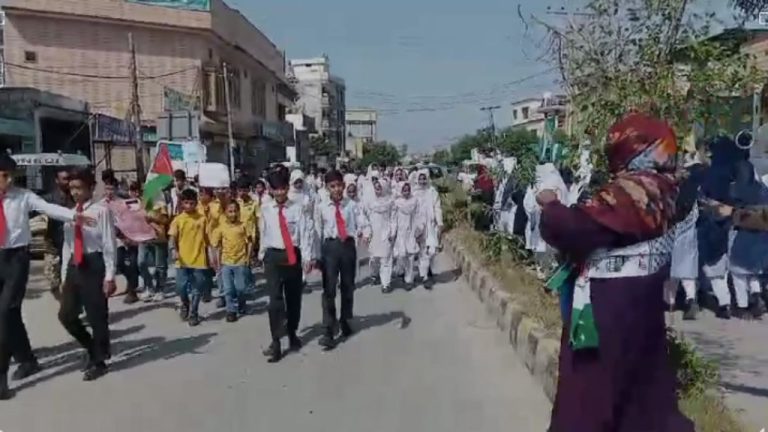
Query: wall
[{"x": 101, "y": 49}]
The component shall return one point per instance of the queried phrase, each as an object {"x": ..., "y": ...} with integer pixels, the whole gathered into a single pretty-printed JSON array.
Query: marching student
[
  {"x": 15, "y": 206},
  {"x": 249, "y": 215},
  {"x": 379, "y": 210},
  {"x": 286, "y": 241},
  {"x": 409, "y": 228},
  {"x": 233, "y": 240},
  {"x": 210, "y": 210},
  {"x": 88, "y": 274},
  {"x": 338, "y": 222},
  {"x": 431, "y": 214},
  {"x": 302, "y": 194},
  {"x": 188, "y": 234}
]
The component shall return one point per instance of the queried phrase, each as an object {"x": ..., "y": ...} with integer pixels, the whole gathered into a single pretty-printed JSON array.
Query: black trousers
[
  {"x": 128, "y": 266},
  {"x": 83, "y": 288},
  {"x": 339, "y": 264},
  {"x": 284, "y": 287},
  {"x": 14, "y": 273}
]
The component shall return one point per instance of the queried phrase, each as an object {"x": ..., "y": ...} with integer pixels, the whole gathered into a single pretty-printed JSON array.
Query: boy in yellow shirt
[
  {"x": 211, "y": 211},
  {"x": 189, "y": 238},
  {"x": 234, "y": 242},
  {"x": 249, "y": 215}
]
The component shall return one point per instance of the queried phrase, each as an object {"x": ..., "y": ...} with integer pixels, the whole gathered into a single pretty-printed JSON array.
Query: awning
[{"x": 51, "y": 159}]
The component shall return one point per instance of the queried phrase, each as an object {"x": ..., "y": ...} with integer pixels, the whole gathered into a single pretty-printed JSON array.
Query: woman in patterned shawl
[{"x": 615, "y": 375}]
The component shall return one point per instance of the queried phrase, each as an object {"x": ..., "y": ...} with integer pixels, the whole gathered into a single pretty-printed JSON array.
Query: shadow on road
[
  {"x": 739, "y": 388},
  {"x": 359, "y": 324},
  {"x": 133, "y": 311},
  {"x": 132, "y": 354},
  {"x": 57, "y": 350},
  {"x": 447, "y": 276},
  {"x": 252, "y": 309}
]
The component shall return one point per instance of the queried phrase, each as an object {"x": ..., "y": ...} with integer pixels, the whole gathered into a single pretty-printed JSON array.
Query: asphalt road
[{"x": 421, "y": 361}]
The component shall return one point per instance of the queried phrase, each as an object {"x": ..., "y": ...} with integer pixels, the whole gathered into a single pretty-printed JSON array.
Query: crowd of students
[{"x": 284, "y": 223}]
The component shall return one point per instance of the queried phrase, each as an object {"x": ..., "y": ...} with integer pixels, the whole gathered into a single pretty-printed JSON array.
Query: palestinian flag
[{"x": 159, "y": 177}]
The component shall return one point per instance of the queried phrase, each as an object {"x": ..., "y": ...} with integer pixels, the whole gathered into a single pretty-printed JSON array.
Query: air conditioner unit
[{"x": 762, "y": 18}]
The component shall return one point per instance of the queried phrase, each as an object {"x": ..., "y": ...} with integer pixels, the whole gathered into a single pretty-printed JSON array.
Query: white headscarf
[
  {"x": 406, "y": 205},
  {"x": 381, "y": 203},
  {"x": 418, "y": 190},
  {"x": 293, "y": 193}
]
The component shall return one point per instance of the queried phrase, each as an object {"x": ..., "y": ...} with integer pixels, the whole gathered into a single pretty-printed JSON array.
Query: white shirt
[
  {"x": 299, "y": 227},
  {"x": 98, "y": 238},
  {"x": 17, "y": 204},
  {"x": 355, "y": 220}
]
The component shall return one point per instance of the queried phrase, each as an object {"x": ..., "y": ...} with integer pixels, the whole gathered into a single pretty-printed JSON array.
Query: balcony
[{"x": 552, "y": 104}]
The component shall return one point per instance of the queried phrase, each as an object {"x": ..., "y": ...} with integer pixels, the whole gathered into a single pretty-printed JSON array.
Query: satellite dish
[{"x": 744, "y": 139}]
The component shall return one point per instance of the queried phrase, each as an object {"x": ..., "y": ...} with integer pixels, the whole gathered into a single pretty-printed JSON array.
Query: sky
[{"x": 428, "y": 66}]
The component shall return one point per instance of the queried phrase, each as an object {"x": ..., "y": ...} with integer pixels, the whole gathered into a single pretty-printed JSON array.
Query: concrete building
[
  {"x": 79, "y": 48},
  {"x": 530, "y": 113},
  {"x": 303, "y": 129},
  {"x": 321, "y": 96},
  {"x": 361, "y": 129}
]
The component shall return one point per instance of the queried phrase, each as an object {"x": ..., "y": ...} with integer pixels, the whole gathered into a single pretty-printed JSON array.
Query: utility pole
[
  {"x": 229, "y": 123},
  {"x": 492, "y": 123},
  {"x": 138, "y": 140}
]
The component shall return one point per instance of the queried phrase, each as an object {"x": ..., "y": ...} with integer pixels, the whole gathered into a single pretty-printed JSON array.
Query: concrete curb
[{"x": 540, "y": 354}]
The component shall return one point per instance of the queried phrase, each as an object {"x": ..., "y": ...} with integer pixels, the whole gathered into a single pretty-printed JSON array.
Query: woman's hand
[{"x": 546, "y": 196}]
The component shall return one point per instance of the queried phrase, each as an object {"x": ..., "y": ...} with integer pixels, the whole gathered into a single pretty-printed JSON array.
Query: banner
[
  {"x": 195, "y": 5},
  {"x": 130, "y": 219}
]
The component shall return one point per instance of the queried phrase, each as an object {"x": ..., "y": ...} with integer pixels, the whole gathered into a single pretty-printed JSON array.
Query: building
[
  {"x": 80, "y": 49},
  {"x": 321, "y": 96},
  {"x": 361, "y": 129},
  {"x": 531, "y": 113},
  {"x": 304, "y": 128}
]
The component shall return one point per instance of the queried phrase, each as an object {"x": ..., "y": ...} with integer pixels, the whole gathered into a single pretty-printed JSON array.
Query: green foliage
[
  {"x": 648, "y": 55},
  {"x": 695, "y": 374},
  {"x": 499, "y": 247},
  {"x": 462, "y": 150},
  {"x": 322, "y": 146},
  {"x": 381, "y": 152},
  {"x": 442, "y": 157}
]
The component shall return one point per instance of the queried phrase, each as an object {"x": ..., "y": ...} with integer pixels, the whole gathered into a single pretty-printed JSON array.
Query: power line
[{"x": 97, "y": 76}]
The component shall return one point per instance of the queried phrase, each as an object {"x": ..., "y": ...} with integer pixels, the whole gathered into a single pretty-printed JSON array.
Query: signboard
[
  {"x": 214, "y": 175},
  {"x": 105, "y": 128},
  {"x": 50, "y": 159},
  {"x": 174, "y": 100},
  {"x": 195, "y": 5}
]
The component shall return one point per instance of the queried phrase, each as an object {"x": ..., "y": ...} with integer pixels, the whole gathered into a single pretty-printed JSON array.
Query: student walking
[
  {"x": 286, "y": 243},
  {"x": 89, "y": 274},
  {"x": 234, "y": 241},
  {"x": 338, "y": 222},
  {"x": 408, "y": 232},
  {"x": 188, "y": 233},
  {"x": 379, "y": 211},
  {"x": 431, "y": 213}
]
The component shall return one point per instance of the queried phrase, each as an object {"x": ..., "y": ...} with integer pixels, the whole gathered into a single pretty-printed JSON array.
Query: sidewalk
[{"x": 741, "y": 350}]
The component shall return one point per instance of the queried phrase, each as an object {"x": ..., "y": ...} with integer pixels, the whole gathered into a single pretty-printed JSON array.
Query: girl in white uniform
[
  {"x": 431, "y": 213},
  {"x": 302, "y": 194},
  {"x": 408, "y": 228},
  {"x": 380, "y": 214}
]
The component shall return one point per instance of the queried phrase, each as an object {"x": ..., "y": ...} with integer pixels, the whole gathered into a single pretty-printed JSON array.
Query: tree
[
  {"x": 462, "y": 149},
  {"x": 442, "y": 157},
  {"x": 381, "y": 153},
  {"x": 322, "y": 146},
  {"x": 647, "y": 55}
]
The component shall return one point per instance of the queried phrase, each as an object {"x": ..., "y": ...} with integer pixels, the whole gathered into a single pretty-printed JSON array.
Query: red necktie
[
  {"x": 340, "y": 224},
  {"x": 290, "y": 250},
  {"x": 3, "y": 226},
  {"x": 78, "y": 257}
]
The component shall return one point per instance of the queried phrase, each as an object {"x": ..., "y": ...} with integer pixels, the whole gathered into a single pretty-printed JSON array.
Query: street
[{"x": 421, "y": 361}]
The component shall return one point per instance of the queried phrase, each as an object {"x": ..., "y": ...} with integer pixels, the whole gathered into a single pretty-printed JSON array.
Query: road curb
[{"x": 539, "y": 353}]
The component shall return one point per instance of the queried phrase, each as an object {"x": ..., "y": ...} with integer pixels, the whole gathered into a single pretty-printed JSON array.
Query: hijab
[
  {"x": 639, "y": 201},
  {"x": 381, "y": 203},
  {"x": 406, "y": 206}
]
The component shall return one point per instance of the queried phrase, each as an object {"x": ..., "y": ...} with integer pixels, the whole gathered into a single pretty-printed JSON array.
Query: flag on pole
[{"x": 159, "y": 177}]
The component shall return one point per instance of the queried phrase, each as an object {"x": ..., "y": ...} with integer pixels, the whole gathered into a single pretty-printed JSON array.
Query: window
[
  {"x": 234, "y": 88},
  {"x": 210, "y": 54},
  {"x": 525, "y": 113},
  {"x": 258, "y": 98},
  {"x": 30, "y": 57},
  {"x": 514, "y": 114}
]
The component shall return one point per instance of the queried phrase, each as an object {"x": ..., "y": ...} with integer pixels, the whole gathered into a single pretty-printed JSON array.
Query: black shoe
[
  {"x": 26, "y": 370},
  {"x": 207, "y": 298},
  {"x": 5, "y": 392},
  {"x": 430, "y": 274},
  {"x": 95, "y": 371},
  {"x": 691, "y": 310},
  {"x": 346, "y": 329},
  {"x": 194, "y": 320},
  {"x": 723, "y": 312},
  {"x": 294, "y": 343},
  {"x": 231, "y": 317},
  {"x": 184, "y": 312},
  {"x": 429, "y": 283},
  {"x": 408, "y": 286},
  {"x": 273, "y": 353},
  {"x": 130, "y": 298},
  {"x": 742, "y": 313},
  {"x": 327, "y": 342},
  {"x": 221, "y": 302},
  {"x": 386, "y": 289},
  {"x": 756, "y": 306}
]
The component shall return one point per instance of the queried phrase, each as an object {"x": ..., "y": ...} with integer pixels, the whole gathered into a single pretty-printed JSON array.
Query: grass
[{"x": 705, "y": 407}]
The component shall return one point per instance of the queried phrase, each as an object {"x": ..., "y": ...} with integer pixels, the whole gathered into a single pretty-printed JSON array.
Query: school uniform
[
  {"x": 189, "y": 232},
  {"x": 380, "y": 212},
  {"x": 408, "y": 227},
  {"x": 337, "y": 225},
  {"x": 286, "y": 240},
  {"x": 431, "y": 213},
  {"x": 15, "y": 236},
  {"x": 234, "y": 241},
  {"x": 88, "y": 255}
]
